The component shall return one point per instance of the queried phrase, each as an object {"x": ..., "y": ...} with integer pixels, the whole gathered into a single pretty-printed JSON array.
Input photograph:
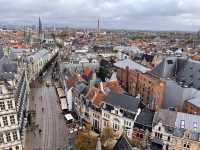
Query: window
[
  {"x": 156, "y": 134},
  {"x": 116, "y": 112},
  {"x": 184, "y": 145},
  {"x": 182, "y": 124},
  {"x": 106, "y": 115},
  {"x": 1, "y": 138},
  {"x": 170, "y": 61},
  {"x": 15, "y": 137},
  {"x": 167, "y": 147},
  {"x": 115, "y": 126},
  {"x": 195, "y": 126},
  {"x": 105, "y": 123},
  {"x": 8, "y": 137},
  {"x": 159, "y": 128},
  {"x": 2, "y": 106},
  {"x": 10, "y": 105},
  {"x": 160, "y": 136},
  {"x": 5, "y": 121},
  {"x": 12, "y": 119},
  {"x": 168, "y": 139}
]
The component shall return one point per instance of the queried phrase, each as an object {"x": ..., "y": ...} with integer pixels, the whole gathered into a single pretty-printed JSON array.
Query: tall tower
[
  {"x": 98, "y": 26},
  {"x": 40, "y": 29}
]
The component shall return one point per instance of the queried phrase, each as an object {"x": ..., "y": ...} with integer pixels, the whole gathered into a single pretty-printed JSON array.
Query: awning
[
  {"x": 69, "y": 117},
  {"x": 60, "y": 92},
  {"x": 63, "y": 103}
]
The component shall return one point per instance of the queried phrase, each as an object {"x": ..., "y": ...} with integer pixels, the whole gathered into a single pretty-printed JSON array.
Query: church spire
[{"x": 40, "y": 29}]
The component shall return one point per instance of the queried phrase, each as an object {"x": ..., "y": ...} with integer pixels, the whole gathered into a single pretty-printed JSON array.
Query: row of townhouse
[
  {"x": 38, "y": 60},
  {"x": 175, "y": 131},
  {"x": 105, "y": 106},
  {"x": 168, "y": 130}
]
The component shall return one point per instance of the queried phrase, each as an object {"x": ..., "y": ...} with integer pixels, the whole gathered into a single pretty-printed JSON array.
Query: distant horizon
[{"x": 62, "y": 25}]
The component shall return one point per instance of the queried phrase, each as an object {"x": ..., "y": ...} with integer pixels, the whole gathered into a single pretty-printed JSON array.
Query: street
[{"x": 50, "y": 130}]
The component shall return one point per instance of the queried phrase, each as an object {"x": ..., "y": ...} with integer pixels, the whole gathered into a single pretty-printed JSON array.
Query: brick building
[
  {"x": 128, "y": 79},
  {"x": 136, "y": 81},
  {"x": 128, "y": 72},
  {"x": 151, "y": 90}
]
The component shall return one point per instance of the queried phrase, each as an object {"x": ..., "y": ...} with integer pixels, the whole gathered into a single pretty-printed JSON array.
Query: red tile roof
[
  {"x": 87, "y": 72},
  {"x": 113, "y": 85}
]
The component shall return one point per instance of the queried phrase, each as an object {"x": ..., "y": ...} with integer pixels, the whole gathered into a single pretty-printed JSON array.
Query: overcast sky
[{"x": 124, "y": 14}]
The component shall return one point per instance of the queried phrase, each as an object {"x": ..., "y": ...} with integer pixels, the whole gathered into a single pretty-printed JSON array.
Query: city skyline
[{"x": 130, "y": 14}]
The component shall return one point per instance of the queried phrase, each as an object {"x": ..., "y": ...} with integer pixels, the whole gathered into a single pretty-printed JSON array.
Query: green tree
[{"x": 103, "y": 73}]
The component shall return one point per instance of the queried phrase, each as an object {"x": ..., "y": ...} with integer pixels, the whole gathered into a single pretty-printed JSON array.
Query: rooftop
[
  {"x": 122, "y": 144},
  {"x": 124, "y": 101},
  {"x": 131, "y": 65}
]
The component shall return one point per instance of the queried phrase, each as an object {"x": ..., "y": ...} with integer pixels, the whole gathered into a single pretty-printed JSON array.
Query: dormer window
[
  {"x": 182, "y": 125},
  {"x": 116, "y": 112}
]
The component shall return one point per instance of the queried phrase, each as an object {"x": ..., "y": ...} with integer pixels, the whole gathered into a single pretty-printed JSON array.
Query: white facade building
[{"x": 9, "y": 127}]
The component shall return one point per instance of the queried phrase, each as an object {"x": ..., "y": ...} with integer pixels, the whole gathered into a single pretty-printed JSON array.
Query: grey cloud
[{"x": 131, "y": 14}]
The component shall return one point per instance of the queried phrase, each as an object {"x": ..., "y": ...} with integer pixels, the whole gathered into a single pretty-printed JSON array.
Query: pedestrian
[{"x": 40, "y": 131}]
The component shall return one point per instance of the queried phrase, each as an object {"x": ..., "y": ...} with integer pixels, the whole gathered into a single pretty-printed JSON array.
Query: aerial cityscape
[{"x": 99, "y": 75}]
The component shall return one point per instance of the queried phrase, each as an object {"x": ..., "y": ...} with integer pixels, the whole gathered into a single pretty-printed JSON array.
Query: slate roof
[
  {"x": 189, "y": 119},
  {"x": 122, "y": 144},
  {"x": 80, "y": 88},
  {"x": 129, "y": 103},
  {"x": 195, "y": 100},
  {"x": 145, "y": 118},
  {"x": 165, "y": 116},
  {"x": 181, "y": 69},
  {"x": 131, "y": 65},
  {"x": 7, "y": 68},
  {"x": 38, "y": 55},
  {"x": 190, "y": 74}
]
